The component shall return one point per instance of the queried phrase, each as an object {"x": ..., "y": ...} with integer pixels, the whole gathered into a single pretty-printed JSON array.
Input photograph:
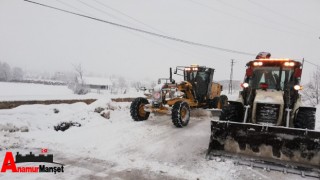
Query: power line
[
  {"x": 264, "y": 18},
  {"x": 311, "y": 63},
  {"x": 147, "y": 32},
  {"x": 130, "y": 17},
  {"x": 159, "y": 43},
  {"x": 73, "y": 7},
  {"x": 283, "y": 15},
  {"x": 102, "y": 11},
  {"x": 70, "y": 6},
  {"x": 244, "y": 19},
  {"x": 144, "y": 31}
]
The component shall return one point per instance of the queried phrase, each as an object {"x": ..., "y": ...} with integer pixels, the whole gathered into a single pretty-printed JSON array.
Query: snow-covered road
[{"x": 118, "y": 148}]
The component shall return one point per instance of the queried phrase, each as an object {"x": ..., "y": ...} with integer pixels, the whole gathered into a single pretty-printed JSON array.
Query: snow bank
[
  {"x": 119, "y": 144},
  {"x": 27, "y": 91},
  {"x": 153, "y": 146}
]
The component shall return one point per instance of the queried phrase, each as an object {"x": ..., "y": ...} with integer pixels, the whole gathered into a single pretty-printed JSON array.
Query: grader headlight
[
  {"x": 244, "y": 85},
  {"x": 290, "y": 64},
  {"x": 193, "y": 67},
  {"x": 156, "y": 96},
  {"x": 297, "y": 87},
  {"x": 257, "y": 63}
]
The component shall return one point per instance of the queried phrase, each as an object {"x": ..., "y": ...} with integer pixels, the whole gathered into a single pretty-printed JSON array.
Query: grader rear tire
[
  {"x": 214, "y": 103},
  {"x": 218, "y": 102},
  {"x": 223, "y": 100}
]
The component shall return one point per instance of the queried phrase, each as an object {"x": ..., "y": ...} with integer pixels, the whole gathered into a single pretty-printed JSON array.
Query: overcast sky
[{"x": 46, "y": 40}]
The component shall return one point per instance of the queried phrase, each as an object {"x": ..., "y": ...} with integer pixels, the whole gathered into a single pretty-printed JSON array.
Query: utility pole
[{"x": 231, "y": 76}]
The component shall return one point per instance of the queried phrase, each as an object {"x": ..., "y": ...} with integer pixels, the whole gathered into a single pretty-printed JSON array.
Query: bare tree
[
  {"x": 5, "y": 72},
  {"x": 137, "y": 85},
  {"x": 316, "y": 84},
  {"x": 113, "y": 88},
  {"x": 153, "y": 84},
  {"x": 79, "y": 71},
  {"x": 311, "y": 89},
  {"x": 122, "y": 84},
  {"x": 2, "y": 76},
  {"x": 79, "y": 86}
]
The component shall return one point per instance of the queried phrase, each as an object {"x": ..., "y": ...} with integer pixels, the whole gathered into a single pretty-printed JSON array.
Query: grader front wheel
[
  {"x": 306, "y": 118},
  {"x": 180, "y": 114},
  {"x": 137, "y": 109}
]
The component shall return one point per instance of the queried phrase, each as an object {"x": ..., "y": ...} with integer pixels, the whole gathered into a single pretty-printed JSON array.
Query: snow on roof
[{"x": 97, "y": 81}]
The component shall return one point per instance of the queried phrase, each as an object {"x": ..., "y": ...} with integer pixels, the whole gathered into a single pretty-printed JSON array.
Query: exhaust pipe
[{"x": 170, "y": 75}]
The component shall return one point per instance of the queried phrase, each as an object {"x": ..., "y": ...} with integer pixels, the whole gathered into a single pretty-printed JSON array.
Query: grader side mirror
[
  {"x": 249, "y": 72},
  {"x": 297, "y": 73}
]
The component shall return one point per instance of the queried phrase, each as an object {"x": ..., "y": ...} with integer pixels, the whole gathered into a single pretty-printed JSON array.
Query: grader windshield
[{"x": 277, "y": 78}]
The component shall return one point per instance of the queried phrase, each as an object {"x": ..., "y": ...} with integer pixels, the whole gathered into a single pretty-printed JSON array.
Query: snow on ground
[
  {"x": 117, "y": 148},
  {"x": 151, "y": 146},
  {"x": 26, "y": 91}
]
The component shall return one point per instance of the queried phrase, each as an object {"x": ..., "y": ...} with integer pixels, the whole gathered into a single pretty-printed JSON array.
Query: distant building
[{"x": 97, "y": 83}]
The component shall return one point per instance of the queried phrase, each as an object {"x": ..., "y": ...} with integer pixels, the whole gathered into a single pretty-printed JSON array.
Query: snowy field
[
  {"x": 118, "y": 148},
  {"x": 27, "y": 91}
]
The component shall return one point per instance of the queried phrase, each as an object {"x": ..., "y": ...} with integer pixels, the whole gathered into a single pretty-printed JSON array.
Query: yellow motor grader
[{"x": 197, "y": 90}]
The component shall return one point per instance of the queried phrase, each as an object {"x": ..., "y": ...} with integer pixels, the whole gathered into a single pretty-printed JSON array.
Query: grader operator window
[
  {"x": 190, "y": 75},
  {"x": 271, "y": 78}
]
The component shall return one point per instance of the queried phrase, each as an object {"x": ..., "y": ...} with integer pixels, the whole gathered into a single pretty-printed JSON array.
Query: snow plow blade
[{"x": 274, "y": 143}]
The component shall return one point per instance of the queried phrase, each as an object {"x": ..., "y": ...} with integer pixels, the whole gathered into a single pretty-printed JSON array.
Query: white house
[{"x": 97, "y": 83}]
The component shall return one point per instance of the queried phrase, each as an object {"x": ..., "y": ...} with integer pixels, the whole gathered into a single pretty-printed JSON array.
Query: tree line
[
  {"x": 10, "y": 74},
  {"x": 311, "y": 90}
]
